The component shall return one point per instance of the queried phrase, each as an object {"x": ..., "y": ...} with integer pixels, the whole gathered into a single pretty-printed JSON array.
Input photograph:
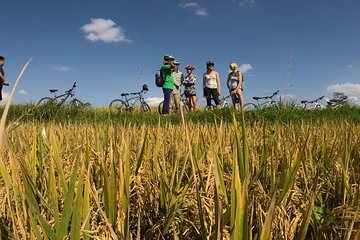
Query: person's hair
[
  {"x": 234, "y": 64},
  {"x": 2, "y": 58}
]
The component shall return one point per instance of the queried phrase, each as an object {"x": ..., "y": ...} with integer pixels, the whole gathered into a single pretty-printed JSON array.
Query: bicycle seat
[
  {"x": 257, "y": 98},
  {"x": 124, "y": 94},
  {"x": 53, "y": 90},
  {"x": 304, "y": 101}
]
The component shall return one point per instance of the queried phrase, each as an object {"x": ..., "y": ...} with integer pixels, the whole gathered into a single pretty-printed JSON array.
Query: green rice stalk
[
  {"x": 124, "y": 190},
  {"x": 198, "y": 197},
  {"x": 68, "y": 208},
  {"x": 19, "y": 194},
  {"x": 9, "y": 188},
  {"x": 86, "y": 208},
  {"x": 141, "y": 155},
  {"x": 266, "y": 227},
  {"x": 218, "y": 210},
  {"x": 238, "y": 218},
  {"x": 58, "y": 162},
  {"x": 75, "y": 230},
  {"x": 309, "y": 212},
  {"x": 97, "y": 201},
  {"x": 53, "y": 194},
  {"x": 30, "y": 194}
]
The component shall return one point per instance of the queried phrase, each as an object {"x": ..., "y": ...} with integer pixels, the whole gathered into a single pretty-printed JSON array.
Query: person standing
[
  {"x": 211, "y": 85},
  {"x": 190, "y": 91},
  {"x": 168, "y": 86},
  {"x": 2, "y": 76},
  {"x": 178, "y": 80},
  {"x": 235, "y": 85}
]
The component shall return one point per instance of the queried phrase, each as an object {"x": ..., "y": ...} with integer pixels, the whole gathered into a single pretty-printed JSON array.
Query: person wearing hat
[
  {"x": 190, "y": 91},
  {"x": 178, "y": 80},
  {"x": 2, "y": 76},
  {"x": 211, "y": 85},
  {"x": 168, "y": 86}
]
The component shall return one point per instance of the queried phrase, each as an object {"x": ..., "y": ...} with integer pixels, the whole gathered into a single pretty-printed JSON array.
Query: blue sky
[{"x": 114, "y": 46}]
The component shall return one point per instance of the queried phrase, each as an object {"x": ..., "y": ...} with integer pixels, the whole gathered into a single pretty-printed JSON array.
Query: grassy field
[{"x": 78, "y": 173}]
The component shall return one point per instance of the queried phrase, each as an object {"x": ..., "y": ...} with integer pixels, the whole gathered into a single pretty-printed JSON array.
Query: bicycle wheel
[
  {"x": 250, "y": 106},
  {"x": 145, "y": 107},
  {"x": 45, "y": 101},
  {"x": 160, "y": 107},
  {"x": 77, "y": 103},
  {"x": 117, "y": 106}
]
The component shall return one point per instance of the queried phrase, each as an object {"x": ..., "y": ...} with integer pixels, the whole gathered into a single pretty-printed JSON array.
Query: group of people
[
  {"x": 174, "y": 79},
  {"x": 2, "y": 76}
]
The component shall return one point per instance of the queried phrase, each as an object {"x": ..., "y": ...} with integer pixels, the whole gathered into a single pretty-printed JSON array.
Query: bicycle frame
[
  {"x": 267, "y": 101},
  {"x": 61, "y": 99},
  {"x": 314, "y": 104},
  {"x": 129, "y": 101},
  {"x": 132, "y": 101}
]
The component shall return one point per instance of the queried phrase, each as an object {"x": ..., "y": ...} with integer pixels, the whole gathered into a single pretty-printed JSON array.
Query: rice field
[{"x": 223, "y": 180}]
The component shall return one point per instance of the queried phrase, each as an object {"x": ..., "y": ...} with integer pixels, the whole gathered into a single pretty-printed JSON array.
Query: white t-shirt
[{"x": 210, "y": 81}]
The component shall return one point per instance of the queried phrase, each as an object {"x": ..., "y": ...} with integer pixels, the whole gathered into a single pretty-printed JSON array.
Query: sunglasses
[{"x": 210, "y": 65}]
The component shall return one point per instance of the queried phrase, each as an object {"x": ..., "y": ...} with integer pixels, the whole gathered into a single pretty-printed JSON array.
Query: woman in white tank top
[{"x": 211, "y": 85}]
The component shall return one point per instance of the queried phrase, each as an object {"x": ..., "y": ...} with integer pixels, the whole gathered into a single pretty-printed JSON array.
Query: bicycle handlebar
[
  {"x": 312, "y": 101},
  {"x": 71, "y": 89},
  {"x": 267, "y": 97}
]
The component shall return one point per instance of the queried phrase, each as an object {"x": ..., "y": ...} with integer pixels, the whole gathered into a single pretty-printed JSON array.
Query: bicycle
[
  {"x": 310, "y": 105},
  {"x": 128, "y": 105},
  {"x": 268, "y": 102},
  {"x": 338, "y": 101},
  {"x": 222, "y": 103},
  {"x": 183, "y": 104},
  {"x": 61, "y": 99}
]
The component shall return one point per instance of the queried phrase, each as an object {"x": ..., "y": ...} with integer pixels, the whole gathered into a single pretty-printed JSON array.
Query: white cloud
[
  {"x": 244, "y": 2},
  {"x": 352, "y": 90},
  {"x": 23, "y": 92},
  {"x": 350, "y": 66},
  {"x": 61, "y": 68},
  {"x": 153, "y": 101},
  {"x": 245, "y": 68},
  {"x": 194, "y": 7},
  {"x": 105, "y": 30}
]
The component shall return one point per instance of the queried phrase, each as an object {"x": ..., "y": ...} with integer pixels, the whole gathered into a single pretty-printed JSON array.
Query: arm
[
  {"x": 218, "y": 82},
  {"x": 240, "y": 77},
  {"x": 193, "y": 79},
  {"x": 204, "y": 79},
  {"x": 228, "y": 81},
  {"x": 2, "y": 78}
]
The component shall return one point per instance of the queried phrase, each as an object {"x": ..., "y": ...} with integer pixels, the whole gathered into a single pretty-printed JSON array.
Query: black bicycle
[
  {"x": 309, "y": 105},
  {"x": 267, "y": 101},
  {"x": 67, "y": 97},
  {"x": 129, "y": 103},
  {"x": 339, "y": 100}
]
